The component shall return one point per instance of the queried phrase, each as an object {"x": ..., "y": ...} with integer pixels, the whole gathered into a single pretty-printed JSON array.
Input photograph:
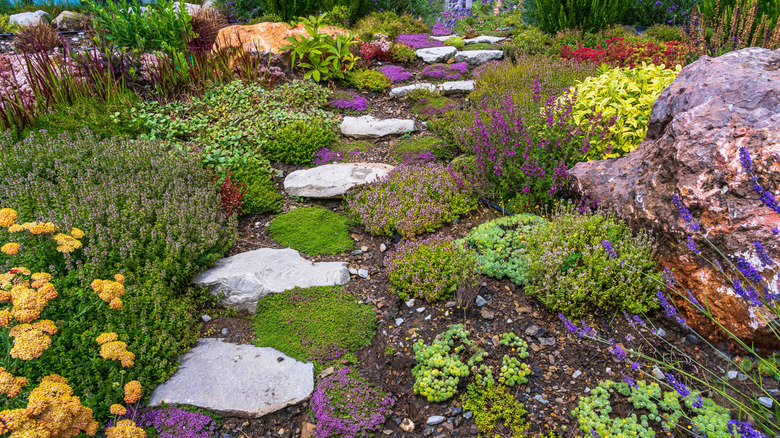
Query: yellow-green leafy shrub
[{"x": 627, "y": 94}]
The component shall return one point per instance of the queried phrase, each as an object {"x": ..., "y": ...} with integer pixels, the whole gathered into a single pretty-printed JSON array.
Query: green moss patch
[
  {"x": 312, "y": 230},
  {"x": 321, "y": 324},
  {"x": 480, "y": 46},
  {"x": 435, "y": 106}
]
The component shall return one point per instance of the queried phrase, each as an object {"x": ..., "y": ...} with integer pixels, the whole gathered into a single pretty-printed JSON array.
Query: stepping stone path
[
  {"x": 371, "y": 127},
  {"x": 236, "y": 380},
  {"x": 484, "y": 39},
  {"x": 451, "y": 87},
  {"x": 246, "y": 277},
  {"x": 333, "y": 180},
  {"x": 478, "y": 57},
  {"x": 443, "y": 38},
  {"x": 403, "y": 91},
  {"x": 436, "y": 54}
]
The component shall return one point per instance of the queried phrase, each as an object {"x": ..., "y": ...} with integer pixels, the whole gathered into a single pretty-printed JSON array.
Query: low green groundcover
[{"x": 312, "y": 230}]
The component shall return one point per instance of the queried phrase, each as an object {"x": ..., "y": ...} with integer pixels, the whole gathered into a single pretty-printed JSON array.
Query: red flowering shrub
[
  {"x": 620, "y": 53},
  {"x": 231, "y": 195}
]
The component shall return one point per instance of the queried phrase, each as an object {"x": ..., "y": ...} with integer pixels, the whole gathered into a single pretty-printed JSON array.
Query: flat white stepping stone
[
  {"x": 453, "y": 87},
  {"x": 245, "y": 278},
  {"x": 436, "y": 54},
  {"x": 478, "y": 57},
  {"x": 443, "y": 38},
  {"x": 333, "y": 180},
  {"x": 484, "y": 39},
  {"x": 236, "y": 380},
  {"x": 406, "y": 89},
  {"x": 371, "y": 127}
]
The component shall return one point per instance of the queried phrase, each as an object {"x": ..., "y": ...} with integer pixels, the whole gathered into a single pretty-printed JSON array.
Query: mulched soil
[{"x": 564, "y": 369}]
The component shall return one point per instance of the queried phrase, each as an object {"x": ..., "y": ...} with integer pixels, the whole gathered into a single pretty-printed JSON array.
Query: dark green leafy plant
[
  {"x": 290, "y": 9},
  {"x": 298, "y": 141},
  {"x": 588, "y": 15},
  {"x": 260, "y": 194},
  {"x": 312, "y": 230},
  {"x": 308, "y": 324},
  {"x": 321, "y": 56}
]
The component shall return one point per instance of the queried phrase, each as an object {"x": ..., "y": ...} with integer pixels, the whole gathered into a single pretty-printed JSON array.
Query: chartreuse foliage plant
[
  {"x": 388, "y": 23},
  {"x": 576, "y": 273},
  {"x": 297, "y": 142},
  {"x": 655, "y": 409},
  {"x": 308, "y": 324},
  {"x": 626, "y": 94},
  {"x": 500, "y": 246},
  {"x": 312, "y": 230},
  {"x": 372, "y": 80},
  {"x": 493, "y": 405},
  {"x": 587, "y": 15}
]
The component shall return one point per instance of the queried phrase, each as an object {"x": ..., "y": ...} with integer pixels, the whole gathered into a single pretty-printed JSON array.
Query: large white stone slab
[
  {"x": 24, "y": 19},
  {"x": 406, "y": 89},
  {"x": 453, "y": 87},
  {"x": 484, "y": 39},
  {"x": 236, "y": 380},
  {"x": 478, "y": 57},
  {"x": 246, "y": 277},
  {"x": 436, "y": 54},
  {"x": 333, "y": 180},
  {"x": 371, "y": 127}
]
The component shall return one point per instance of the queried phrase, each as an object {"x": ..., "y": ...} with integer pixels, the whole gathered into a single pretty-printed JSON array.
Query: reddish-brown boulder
[
  {"x": 697, "y": 126},
  {"x": 263, "y": 37}
]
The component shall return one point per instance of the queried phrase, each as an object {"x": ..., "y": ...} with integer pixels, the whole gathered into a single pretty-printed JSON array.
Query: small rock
[
  {"x": 457, "y": 410},
  {"x": 661, "y": 332},
  {"x": 450, "y": 304},
  {"x": 693, "y": 339},
  {"x": 433, "y": 420},
  {"x": 658, "y": 374},
  {"x": 457, "y": 421},
  {"x": 382, "y": 247},
  {"x": 399, "y": 321},
  {"x": 403, "y": 91},
  {"x": 766, "y": 402},
  {"x": 478, "y": 57},
  {"x": 480, "y": 301},
  {"x": 524, "y": 310},
  {"x": 772, "y": 392},
  {"x": 353, "y": 271},
  {"x": 363, "y": 273},
  {"x": 420, "y": 309},
  {"x": 576, "y": 374},
  {"x": 225, "y": 331},
  {"x": 547, "y": 342},
  {"x": 307, "y": 430},
  {"x": 535, "y": 331},
  {"x": 407, "y": 425},
  {"x": 205, "y": 318},
  {"x": 468, "y": 414},
  {"x": 540, "y": 399},
  {"x": 608, "y": 370},
  {"x": 732, "y": 375},
  {"x": 364, "y": 248},
  {"x": 473, "y": 429},
  {"x": 410, "y": 303},
  {"x": 741, "y": 377},
  {"x": 487, "y": 314},
  {"x": 428, "y": 318},
  {"x": 326, "y": 372}
]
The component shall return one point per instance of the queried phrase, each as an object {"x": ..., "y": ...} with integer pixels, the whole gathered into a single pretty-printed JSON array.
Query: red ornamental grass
[{"x": 231, "y": 194}]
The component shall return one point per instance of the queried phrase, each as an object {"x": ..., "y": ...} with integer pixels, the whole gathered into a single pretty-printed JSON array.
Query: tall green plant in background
[
  {"x": 162, "y": 26},
  {"x": 588, "y": 15},
  {"x": 290, "y": 9}
]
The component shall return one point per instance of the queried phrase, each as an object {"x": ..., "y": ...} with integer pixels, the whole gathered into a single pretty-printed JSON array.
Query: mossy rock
[
  {"x": 312, "y": 230},
  {"x": 480, "y": 46}
]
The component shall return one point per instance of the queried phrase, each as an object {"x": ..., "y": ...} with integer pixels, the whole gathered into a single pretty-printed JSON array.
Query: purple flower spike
[
  {"x": 630, "y": 381},
  {"x": 742, "y": 429},
  {"x": 608, "y": 248},
  {"x": 775, "y": 231},
  {"x": 748, "y": 270},
  {"x": 684, "y": 213},
  {"x": 669, "y": 278},
  {"x": 692, "y": 246},
  {"x": 747, "y": 162},
  {"x": 670, "y": 310},
  {"x": 570, "y": 326},
  {"x": 762, "y": 254},
  {"x": 748, "y": 294},
  {"x": 677, "y": 386},
  {"x": 615, "y": 349}
]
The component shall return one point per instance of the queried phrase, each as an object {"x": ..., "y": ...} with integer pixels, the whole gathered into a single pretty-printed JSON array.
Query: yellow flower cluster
[
  {"x": 52, "y": 412},
  {"x": 28, "y": 299},
  {"x": 7, "y": 217},
  {"x": 10, "y": 248},
  {"x": 39, "y": 227},
  {"x": 117, "y": 409},
  {"x": 10, "y": 385},
  {"x": 110, "y": 291},
  {"x": 66, "y": 243},
  {"x": 125, "y": 429},
  {"x": 133, "y": 391},
  {"x": 111, "y": 348},
  {"x": 30, "y": 340}
]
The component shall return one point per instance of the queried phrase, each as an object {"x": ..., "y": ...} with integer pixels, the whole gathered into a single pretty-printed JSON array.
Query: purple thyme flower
[
  {"x": 684, "y": 213},
  {"x": 743, "y": 430},
  {"x": 762, "y": 254},
  {"x": 747, "y": 162},
  {"x": 608, "y": 248},
  {"x": 396, "y": 73},
  {"x": 692, "y": 246},
  {"x": 748, "y": 270},
  {"x": 418, "y": 41},
  {"x": 676, "y": 385},
  {"x": 439, "y": 29},
  {"x": 615, "y": 349}
]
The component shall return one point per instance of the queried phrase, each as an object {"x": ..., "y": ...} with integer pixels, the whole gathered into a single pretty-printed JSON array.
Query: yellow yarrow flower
[
  {"x": 133, "y": 391},
  {"x": 7, "y": 217},
  {"x": 76, "y": 233},
  {"x": 125, "y": 429},
  {"x": 5, "y": 318},
  {"x": 117, "y": 409},
  {"x": 39, "y": 227},
  {"x": 117, "y": 350},
  {"x": 10, "y": 248},
  {"x": 116, "y": 304},
  {"x": 10, "y": 385},
  {"x": 30, "y": 340},
  {"x": 15, "y": 228},
  {"x": 20, "y": 270},
  {"x": 119, "y": 278},
  {"x": 106, "y": 337},
  {"x": 53, "y": 410}
]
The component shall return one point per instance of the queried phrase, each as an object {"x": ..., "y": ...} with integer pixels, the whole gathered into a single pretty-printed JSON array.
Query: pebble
[
  {"x": 428, "y": 318},
  {"x": 693, "y": 339},
  {"x": 458, "y": 409},
  {"x": 225, "y": 331},
  {"x": 766, "y": 402},
  {"x": 772, "y": 392},
  {"x": 540, "y": 399},
  {"x": 587, "y": 390},
  {"x": 524, "y": 310},
  {"x": 535, "y": 331},
  {"x": 457, "y": 421},
  {"x": 357, "y": 252},
  {"x": 399, "y": 321},
  {"x": 450, "y": 304},
  {"x": 742, "y": 377},
  {"x": 364, "y": 248},
  {"x": 407, "y": 425},
  {"x": 383, "y": 248},
  {"x": 608, "y": 370},
  {"x": 661, "y": 332},
  {"x": 547, "y": 342},
  {"x": 487, "y": 314},
  {"x": 410, "y": 303},
  {"x": 576, "y": 374},
  {"x": 509, "y": 321},
  {"x": 658, "y": 374},
  {"x": 420, "y": 309},
  {"x": 205, "y": 318},
  {"x": 480, "y": 301},
  {"x": 433, "y": 420},
  {"x": 227, "y": 435},
  {"x": 353, "y": 271},
  {"x": 732, "y": 375},
  {"x": 363, "y": 273},
  {"x": 468, "y": 414}
]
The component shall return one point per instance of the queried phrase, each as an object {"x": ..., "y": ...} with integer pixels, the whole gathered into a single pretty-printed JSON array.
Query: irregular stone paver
[
  {"x": 236, "y": 380},
  {"x": 436, "y": 54},
  {"x": 484, "y": 39},
  {"x": 403, "y": 91},
  {"x": 443, "y": 38},
  {"x": 333, "y": 180},
  {"x": 478, "y": 57},
  {"x": 246, "y": 277},
  {"x": 453, "y": 87},
  {"x": 371, "y": 127},
  {"x": 24, "y": 19}
]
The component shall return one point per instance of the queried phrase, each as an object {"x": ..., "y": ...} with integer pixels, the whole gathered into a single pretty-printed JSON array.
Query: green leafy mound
[
  {"x": 312, "y": 230},
  {"x": 501, "y": 246},
  {"x": 492, "y": 404},
  {"x": 321, "y": 324},
  {"x": 260, "y": 194},
  {"x": 298, "y": 141}
]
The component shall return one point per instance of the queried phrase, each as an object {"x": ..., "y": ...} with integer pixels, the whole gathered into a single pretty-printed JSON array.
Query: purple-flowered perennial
[
  {"x": 439, "y": 29},
  {"x": 353, "y": 102},
  {"x": 747, "y": 162},
  {"x": 570, "y": 326},
  {"x": 608, "y": 248},
  {"x": 669, "y": 278},
  {"x": 775, "y": 231},
  {"x": 743, "y": 429},
  {"x": 748, "y": 270},
  {"x": 418, "y": 40},
  {"x": 586, "y": 330},
  {"x": 692, "y": 299},
  {"x": 594, "y": 434},
  {"x": 747, "y": 293},
  {"x": 762, "y": 254},
  {"x": 445, "y": 71},
  {"x": 670, "y": 310},
  {"x": 698, "y": 403},
  {"x": 617, "y": 350},
  {"x": 677, "y": 386},
  {"x": 692, "y": 246},
  {"x": 684, "y": 213},
  {"x": 396, "y": 73},
  {"x": 635, "y": 366},
  {"x": 630, "y": 381}
]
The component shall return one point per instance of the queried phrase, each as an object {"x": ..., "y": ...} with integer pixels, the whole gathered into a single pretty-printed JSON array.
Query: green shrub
[
  {"x": 260, "y": 194},
  {"x": 588, "y": 15},
  {"x": 388, "y": 23},
  {"x": 651, "y": 409},
  {"x": 456, "y": 42},
  {"x": 573, "y": 273},
  {"x": 501, "y": 248},
  {"x": 309, "y": 324},
  {"x": 249, "y": 11},
  {"x": 402, "y": 53},
  {"x": 290, "y": 10},
  {"x": 297, "y": 142},
  {"x": 627, "y": 94},
  {"x": 6, "y": 26},
  {"x": 745, "y": 364},
  {"x": 410, "y": 148},
  {"x": 431, "y": 269},
  {"x": 665, "y": 33},
  {"x": 321, "y": 56},
  {"x": 163, "y": 26},
  {"x": 312, "y": 230},
  {"x": 366, "y": 79},
  {"x": 491, "y": 405}
]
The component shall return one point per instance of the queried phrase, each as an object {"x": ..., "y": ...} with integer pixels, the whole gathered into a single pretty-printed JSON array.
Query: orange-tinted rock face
[
  {"x": 697, "y": 126},
  {"x": 265, "y": 36}
]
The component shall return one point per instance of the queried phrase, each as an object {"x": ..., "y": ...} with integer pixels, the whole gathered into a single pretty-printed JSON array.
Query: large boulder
[
  {"x": 24, "y": 19},
  {"x": 333, "y": 180},
  {"x": 264, "y": 37},
  {"x": 714, "y": 107},
  {"x": 68, "y": 20},
  {"x": 371, "y": 127}
]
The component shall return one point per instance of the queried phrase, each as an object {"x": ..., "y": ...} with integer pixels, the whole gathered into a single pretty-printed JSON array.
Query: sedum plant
[{"x": 625, "y": 93}]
